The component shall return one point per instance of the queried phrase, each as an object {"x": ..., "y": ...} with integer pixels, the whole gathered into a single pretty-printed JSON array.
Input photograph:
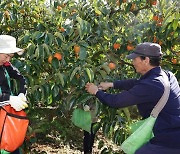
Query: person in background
[
  {"x": 7, "y": 70},
  {"x": 145, "y": 93}
]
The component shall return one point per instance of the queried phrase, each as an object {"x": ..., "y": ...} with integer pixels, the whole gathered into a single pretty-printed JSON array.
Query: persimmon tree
[{"x": 68, "y": 44}]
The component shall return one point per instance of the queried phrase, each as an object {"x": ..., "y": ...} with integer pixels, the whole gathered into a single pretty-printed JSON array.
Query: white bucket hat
[{"x": 8, "y": 45}]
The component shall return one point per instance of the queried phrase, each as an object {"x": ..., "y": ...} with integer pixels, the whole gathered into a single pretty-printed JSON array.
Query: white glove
[
  {"x": 17, "y": 103},
  {"x": 23, "y": 97}
]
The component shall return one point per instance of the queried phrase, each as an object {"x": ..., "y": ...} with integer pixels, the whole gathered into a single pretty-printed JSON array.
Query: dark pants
[
  {"x": 88, "y": 141},
  {"x": 16, "y": 152},
  {"x": 156, "y": 149}
]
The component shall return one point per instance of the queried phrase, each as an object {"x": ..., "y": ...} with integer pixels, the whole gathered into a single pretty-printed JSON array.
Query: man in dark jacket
[
  {"x": 7, "y": 71},
  {"x": 145, "y": 93}
]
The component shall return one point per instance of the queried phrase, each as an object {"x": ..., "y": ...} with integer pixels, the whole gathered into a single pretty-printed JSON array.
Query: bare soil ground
[
  {"x": 59, "y": 136},
  {"x": 50, "y": 148}
]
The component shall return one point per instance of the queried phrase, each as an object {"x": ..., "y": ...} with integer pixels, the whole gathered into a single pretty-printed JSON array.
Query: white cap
[{"x": 8, "y": 45}]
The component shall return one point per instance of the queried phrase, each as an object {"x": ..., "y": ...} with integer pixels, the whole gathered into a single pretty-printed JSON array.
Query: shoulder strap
[
  {"x": 163, "y": 100},
  {"x": 8, "y": 79}
]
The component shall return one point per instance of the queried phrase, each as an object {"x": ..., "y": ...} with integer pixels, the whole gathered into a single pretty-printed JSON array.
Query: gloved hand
[
  {"x": 17, "y": 103},
  {"x": 23, "y": 97}
]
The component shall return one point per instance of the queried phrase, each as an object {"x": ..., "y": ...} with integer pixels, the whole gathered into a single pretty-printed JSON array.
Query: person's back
[{"x": 167, "y": 126}]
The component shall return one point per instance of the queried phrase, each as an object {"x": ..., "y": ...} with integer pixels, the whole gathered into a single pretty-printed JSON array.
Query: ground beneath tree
[
  {"x": 61, "y": 148},
  {"x": 59, "y": 136}
]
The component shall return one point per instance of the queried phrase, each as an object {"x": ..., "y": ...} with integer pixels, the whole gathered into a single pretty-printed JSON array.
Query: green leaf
[
  {"x": 55, "y": 63},
  {"x": 36, "y": 34},
  {"x": 128, "y": 7},
  {"x": 30, "y": 80},
  {"x": 106, "y": 129},
  {"x": 72, "y": 102},
  {"x": 41, "y": 27},
  {"x": 46, "y": 49},
  {"x": 116, "y": 136},
  {"x": 60, "y": 75},
  {"x": 175, "y": 24},
  {"x": 30, "y": 50},
  {"x": 58, "y": 41},
  {"x": 106, "y": 68},
  {"x": 74, "y": 72},
  {"x": 103, "y": 73},
  {"x": 84, "y": 98},
  {"x": 46, "y": 39},
  {"x": 42, "y": 90},
  {"x": 1, "y": 16},
  {"x": 88, "y": 73},
  {"x": 80, "y": 21},
  {"x": 41, "y": 52},
  {"x": 36, "y": 54},
  {"x": 81, "y": 34},
  {"x": 47, "y": 88},
  {"x": 26, "y": 38},
  {"x": 55, "y": 90},
  {"x": 83, "y": 53},
  {"x": 96, "y": 127},
  {"x": 50, "y": 38},
  {"x": 83, "y": 27},
  {"x": 169, "y": 19},
  {"x": 59, "y": 35},
  {"x": 92, "y": 74},
  {"x": 127, "y": 113},
  {"x": 37, "y": 95},
  {"x": 97, "y": 11},
  {"x": 39, "y": 35}
]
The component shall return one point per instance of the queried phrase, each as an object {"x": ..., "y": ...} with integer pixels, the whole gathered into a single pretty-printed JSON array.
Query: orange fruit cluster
[
  {"x": 112, "y": 66},
  {"x": 158, "y": 20},
  {"x": 56, "y": 55},
  {"x": 174, "y": 60},
  {"x": 130, "y": 47},
  {"x": 59, "y": 8},
  {"x": 116, "y": 46},
  {"x": 153, "y": 2},
  {"x": 155, "y": 40},
  {"x": 7, "y": 14},
  {"x": 77, "y": 49},
  {"x": 133, "y": 6},
  {"x": 61, "y": 29},
  {"x": 155, "y": 18}
]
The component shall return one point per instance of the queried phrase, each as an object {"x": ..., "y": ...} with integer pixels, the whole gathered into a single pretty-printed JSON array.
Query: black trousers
[
  {"x": 16, "y": 152},
  {"x": 88, "y": 141}
]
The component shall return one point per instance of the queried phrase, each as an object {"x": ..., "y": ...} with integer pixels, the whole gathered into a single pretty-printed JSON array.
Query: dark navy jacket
[
  {"x": 13, "y": 73},
  {"x": 145, "y": 93}
]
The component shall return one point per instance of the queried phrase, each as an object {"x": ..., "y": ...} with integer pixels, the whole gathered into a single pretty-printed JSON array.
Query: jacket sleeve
[
  {"x": 4, "y": 97},
  {"x": 140, "y": 93},
  {"x": 15, "y": 74},
  {"x": 125, "y": 84}
]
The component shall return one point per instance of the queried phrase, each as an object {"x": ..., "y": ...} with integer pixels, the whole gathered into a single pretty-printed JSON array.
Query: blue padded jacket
[{"x": 145, "y": 93}]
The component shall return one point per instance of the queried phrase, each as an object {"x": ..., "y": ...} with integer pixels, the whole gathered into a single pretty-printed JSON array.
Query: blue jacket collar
[{"x": 155, "y": 70}]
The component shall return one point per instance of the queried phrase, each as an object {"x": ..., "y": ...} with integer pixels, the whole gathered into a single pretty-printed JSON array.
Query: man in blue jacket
[{"x": 145, "y": 93}]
